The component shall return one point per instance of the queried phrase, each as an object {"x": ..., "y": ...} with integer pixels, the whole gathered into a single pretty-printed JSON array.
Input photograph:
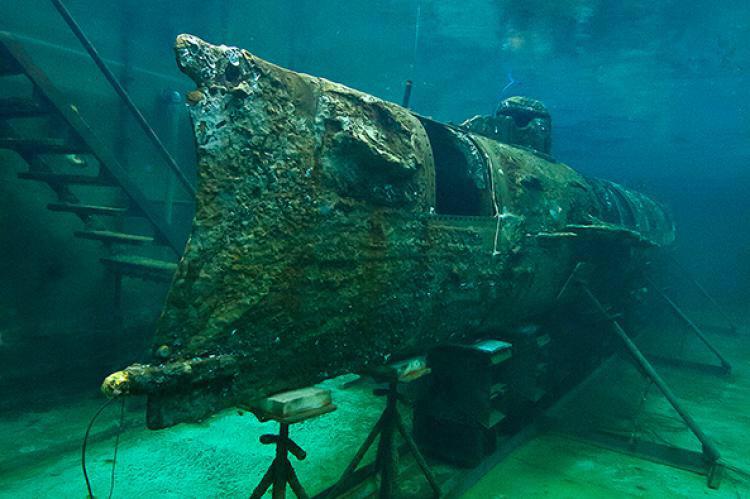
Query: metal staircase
[{"x": 49, "y": 133}]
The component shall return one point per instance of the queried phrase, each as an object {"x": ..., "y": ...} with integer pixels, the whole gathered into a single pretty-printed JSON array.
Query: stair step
[
  {"x": 40, "y": 146},
  {"x": 109, "y": 236},
  {"x": 81, "y": 139},
  {"x": 87, "y": 209},
  {"x": 139, "y": 266},
  {"x": 64, "y": 178},
  {"x": 20, "y": 107}
]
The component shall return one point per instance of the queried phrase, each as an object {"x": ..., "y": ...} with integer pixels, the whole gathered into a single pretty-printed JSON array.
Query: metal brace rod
[
  {"x": 708, "y": 447},
  {"x": 707, "y": 295},
  {"x": 112, "y": 79},
  {"x": 725, "y": 365}
]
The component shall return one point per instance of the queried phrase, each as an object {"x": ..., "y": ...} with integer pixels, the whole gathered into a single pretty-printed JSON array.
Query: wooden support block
[
  {"x": 498, "y": 350},
  {"x": 403, "y": 371},
  {"x": 411, "y": 369},
  {"x": 295, "y": 402}
]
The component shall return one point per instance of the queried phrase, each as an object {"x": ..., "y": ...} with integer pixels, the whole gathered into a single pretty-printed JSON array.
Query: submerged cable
[{"x": 117, "y": 444}]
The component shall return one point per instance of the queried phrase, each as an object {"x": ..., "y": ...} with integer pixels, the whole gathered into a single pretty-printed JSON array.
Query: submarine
[{"x": 335, "y": 232}]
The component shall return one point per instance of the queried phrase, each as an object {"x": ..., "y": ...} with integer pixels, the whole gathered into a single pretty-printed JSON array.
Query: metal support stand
[
  {"x": 710, "y": 453},
  {"x": 287, "y": 408},
  {"x": 281, "y": 471},
  {"x": 386, "y": 460},
  {"x": 726, "y": 367}
]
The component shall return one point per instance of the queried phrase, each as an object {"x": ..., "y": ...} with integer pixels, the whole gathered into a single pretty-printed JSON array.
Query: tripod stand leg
[
  {"x": 418, "y": 457},
  {"x": 357, "y": 457},
  {"x": 281, "y": 473},
  {"x": 265, "y": 482},
  {"x": 295, "y": 485},
  {"x": 386, "y": 461},
  {"x": 365, "y": 446}
]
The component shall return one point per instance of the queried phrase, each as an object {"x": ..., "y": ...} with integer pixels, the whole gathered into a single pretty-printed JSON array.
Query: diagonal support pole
[
  {"x": 386, "y": 460},
  {"x": 352, "y": 467},
  {"x": 418, "y": 457},
  {"x": 725, "y": 365},
  {"x": 732, "y": 326},
  {"x": 710, "y": 452}
]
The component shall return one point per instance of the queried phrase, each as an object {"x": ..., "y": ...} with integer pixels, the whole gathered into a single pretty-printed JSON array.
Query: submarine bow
[{"x": 334, "y": 231}]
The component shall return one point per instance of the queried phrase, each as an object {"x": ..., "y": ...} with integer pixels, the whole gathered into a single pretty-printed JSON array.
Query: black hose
[
  {"x": 117, "y": 446},
  {"x": 117, "y": 443}
]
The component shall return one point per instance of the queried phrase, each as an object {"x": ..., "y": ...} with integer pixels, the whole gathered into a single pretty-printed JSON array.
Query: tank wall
[
  {"x": 633, "y": 117},
  {"x": 636, "y": 117}
]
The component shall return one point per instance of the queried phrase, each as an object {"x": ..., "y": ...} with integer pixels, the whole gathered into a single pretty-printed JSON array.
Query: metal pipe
[
  {"x": 709, "y": 449},
  {"x": 171, "y": 99},
  {"x": 140, "y": 119},
  {"x": 698, "y": 332},
  {"x": 407, "y": 94}
]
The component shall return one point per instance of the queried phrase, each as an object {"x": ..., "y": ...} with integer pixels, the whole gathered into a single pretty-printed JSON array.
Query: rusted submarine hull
[{"x": 335, "y": 231}]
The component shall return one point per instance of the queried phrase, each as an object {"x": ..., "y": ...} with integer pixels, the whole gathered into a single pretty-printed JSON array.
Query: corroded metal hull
[{"x": 335, "y": 231}]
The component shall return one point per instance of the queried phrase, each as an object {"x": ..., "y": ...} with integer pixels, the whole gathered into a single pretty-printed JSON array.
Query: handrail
[{"x": 123, "y": 95}]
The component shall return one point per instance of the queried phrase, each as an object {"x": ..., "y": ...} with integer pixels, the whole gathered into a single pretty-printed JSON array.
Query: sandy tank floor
[{"x": 222, "y": 457}]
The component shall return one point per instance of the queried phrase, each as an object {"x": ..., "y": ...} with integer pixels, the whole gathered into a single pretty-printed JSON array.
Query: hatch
[{"x": 461, "y": 174}]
